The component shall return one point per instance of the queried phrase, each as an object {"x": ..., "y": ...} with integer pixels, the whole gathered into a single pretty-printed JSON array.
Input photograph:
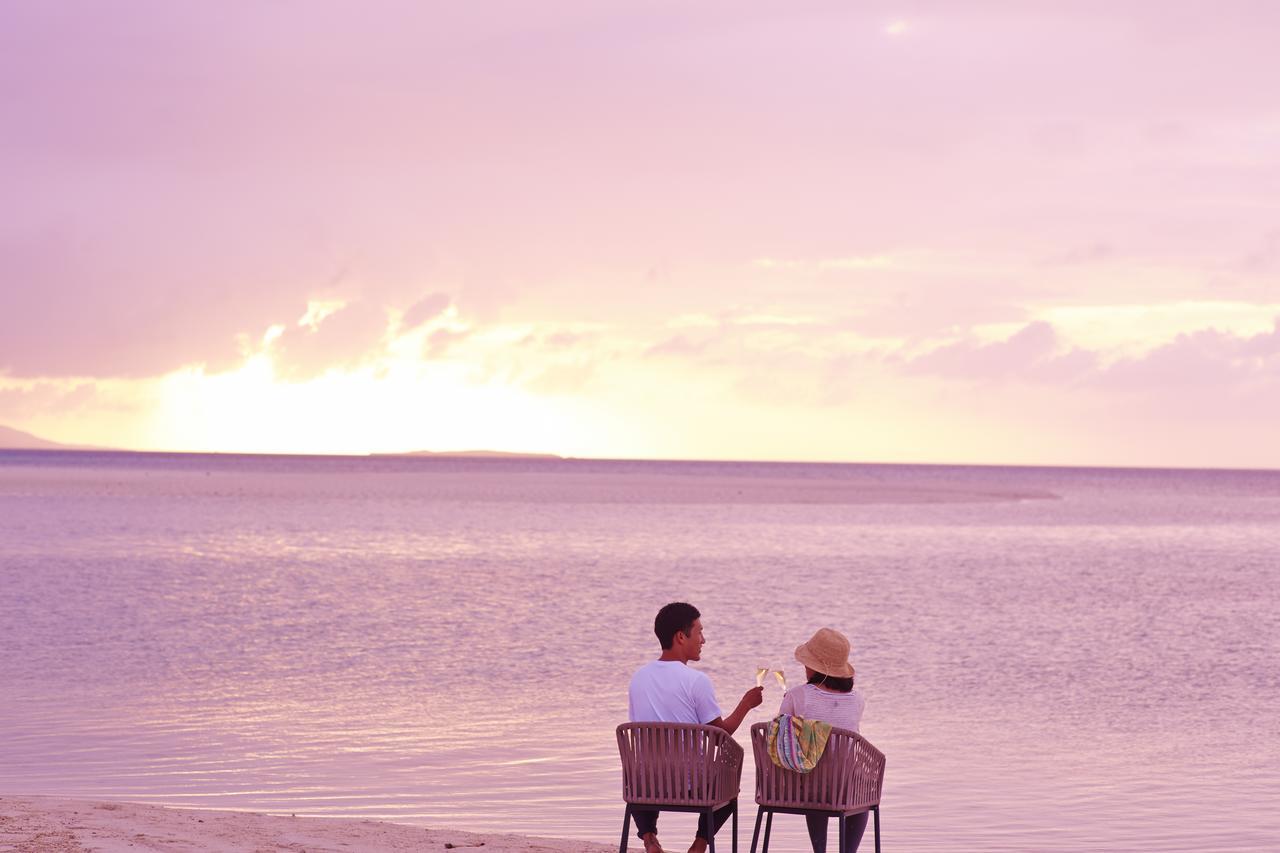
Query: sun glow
[
  {"x": 479, "y": 390},
  {"x": 387, "y": 408}
]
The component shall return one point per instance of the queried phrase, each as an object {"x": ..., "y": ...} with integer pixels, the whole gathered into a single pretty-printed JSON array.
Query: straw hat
[{"x": 827, "y": 652}]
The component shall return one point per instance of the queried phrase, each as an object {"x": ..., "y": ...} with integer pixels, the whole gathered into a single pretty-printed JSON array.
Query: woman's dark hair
[
  {"x": 676, "y": 617},
  {"x": 840, "y": 685}
]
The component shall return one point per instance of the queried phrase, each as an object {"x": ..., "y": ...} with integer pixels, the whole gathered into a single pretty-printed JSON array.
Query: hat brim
[{"x": 807, "y": 657}]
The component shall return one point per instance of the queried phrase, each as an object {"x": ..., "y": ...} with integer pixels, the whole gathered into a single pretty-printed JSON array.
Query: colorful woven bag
[{"x": 796, "y": 743}]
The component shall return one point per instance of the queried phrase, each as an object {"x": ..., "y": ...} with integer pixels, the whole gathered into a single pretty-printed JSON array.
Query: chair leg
[
  {"x": 755, "y": 836},
  {"x": 768, "y": 825},
  {"x": 875, "y": 811},
  {"x": 735, "y": 825},
  {"x": 813, "y": 842},
  {"x": 840, "y": 835},
  {"x": 626, "y": 829},
  {"x": 711, "y": 825}
]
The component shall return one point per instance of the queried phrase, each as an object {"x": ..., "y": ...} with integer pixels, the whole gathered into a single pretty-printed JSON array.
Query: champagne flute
[
  {"x": 761, "y": 672},
  {"x": 782, "y": 679}
]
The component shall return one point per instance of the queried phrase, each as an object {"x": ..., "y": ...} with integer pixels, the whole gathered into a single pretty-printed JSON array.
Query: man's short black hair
[{"x": 676, "y": 617}]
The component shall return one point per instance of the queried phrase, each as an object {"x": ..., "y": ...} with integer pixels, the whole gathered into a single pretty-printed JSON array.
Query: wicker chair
[
  {"x": 679, "y": 767},
  {"x": 846, "y": 781}
]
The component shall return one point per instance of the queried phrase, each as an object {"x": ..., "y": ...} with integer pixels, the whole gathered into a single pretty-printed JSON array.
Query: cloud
[
  {"x": 923, "y": 313},
  {"x": 1034, "y": 353},
  {"x": 1032, "y": 343},
  {"x": 1200, "y": 366},
  {"x": 342, "y": 339},
  {"x": 1264, "y": 257},
  {"x": 678, "y": 346},
  {"x": 564, "y": 340},
  {"x": 427, "y": 308},
  {"x": 21, "y": 402},
  {"x": 163, "y": 208},
  {"x": 180, "y": 179},
  {"x": 76, "y": 305},
  {"x": 1205, "y": 375},
  {"x": 129, "y": 295},
  {"x": 441, "y": 341},
  {"x": 1263, "y": 345},
  {"x": 580, "y": 337}
]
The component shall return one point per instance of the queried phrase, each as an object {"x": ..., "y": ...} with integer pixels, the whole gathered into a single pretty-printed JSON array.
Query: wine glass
[
  {"x": 761, "y": 672},
  {"x": 782, "y": 679}
]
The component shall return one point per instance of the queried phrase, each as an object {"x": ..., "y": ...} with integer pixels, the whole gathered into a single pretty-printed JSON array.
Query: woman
[{"x": 828, "y": 695}]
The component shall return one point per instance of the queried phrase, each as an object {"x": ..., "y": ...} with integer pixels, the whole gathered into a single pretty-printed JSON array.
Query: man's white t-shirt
[{"x": 667, "y": 691}]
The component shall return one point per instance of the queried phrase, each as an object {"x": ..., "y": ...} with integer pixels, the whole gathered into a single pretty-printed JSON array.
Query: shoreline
[{"x": 36, "y": 824}]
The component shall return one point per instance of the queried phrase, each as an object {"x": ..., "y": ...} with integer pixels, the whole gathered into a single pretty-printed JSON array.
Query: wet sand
[{"x": 39, "y": 824}]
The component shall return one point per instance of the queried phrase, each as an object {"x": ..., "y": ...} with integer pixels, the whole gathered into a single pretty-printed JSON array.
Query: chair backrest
[
  {"x": 848, "y": 776},
  {"x": 678, "y": 764}
]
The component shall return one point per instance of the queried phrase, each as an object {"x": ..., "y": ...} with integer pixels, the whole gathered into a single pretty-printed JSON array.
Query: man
[{"x": 668, "y": 691}]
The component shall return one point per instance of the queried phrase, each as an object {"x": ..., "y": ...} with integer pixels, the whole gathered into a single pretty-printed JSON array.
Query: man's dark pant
[{"x": 647, "y": 821}]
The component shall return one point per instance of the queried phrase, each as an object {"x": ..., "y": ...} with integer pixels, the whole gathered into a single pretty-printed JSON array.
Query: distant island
[
  {"x": 481, "y": 454},
  {"x": 16, "y": 439}
]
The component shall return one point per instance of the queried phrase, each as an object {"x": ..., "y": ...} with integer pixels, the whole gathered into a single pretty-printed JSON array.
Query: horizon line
[{"x": 553, "y": 458}]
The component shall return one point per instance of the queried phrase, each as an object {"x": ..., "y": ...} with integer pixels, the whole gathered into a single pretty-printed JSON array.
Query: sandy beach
[{"x": 31, "y": 824}]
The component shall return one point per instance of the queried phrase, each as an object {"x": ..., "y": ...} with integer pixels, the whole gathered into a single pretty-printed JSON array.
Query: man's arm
[{"x": 751, "y": 699}]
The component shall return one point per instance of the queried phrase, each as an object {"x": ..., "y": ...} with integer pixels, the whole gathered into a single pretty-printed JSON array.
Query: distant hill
[
  {"x": 16, "y": 439},
  {"x": 474, "y": 454}
]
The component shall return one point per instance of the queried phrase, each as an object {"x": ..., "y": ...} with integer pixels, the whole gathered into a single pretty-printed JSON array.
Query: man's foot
[
  {"x": 699, "y": 845},
  {"x": 651, "y": 844}
]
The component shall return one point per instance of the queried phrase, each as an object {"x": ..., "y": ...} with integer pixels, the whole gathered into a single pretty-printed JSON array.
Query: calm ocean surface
[{"x": 1054, "y": 659}]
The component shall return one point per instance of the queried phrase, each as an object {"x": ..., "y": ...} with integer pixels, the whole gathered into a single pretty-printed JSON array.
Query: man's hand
[{"x": 751, "y": 699}]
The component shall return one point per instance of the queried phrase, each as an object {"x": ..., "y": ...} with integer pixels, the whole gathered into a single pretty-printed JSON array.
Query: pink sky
[{"x": 963, "y": 231}]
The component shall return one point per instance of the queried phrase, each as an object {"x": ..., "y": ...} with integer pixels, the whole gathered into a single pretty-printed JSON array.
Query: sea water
[{"x": 1054, "y": 659}]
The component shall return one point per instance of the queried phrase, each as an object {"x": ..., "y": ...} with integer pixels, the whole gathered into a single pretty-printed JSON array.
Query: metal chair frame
[
  {"x": 846, "y": 781},
  {"x": 709, "y": 811},
  {"x": 679, "y": 767},
  {"x": 768, "y": 812}
]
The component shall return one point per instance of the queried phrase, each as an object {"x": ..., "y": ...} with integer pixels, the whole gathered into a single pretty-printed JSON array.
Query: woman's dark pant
[
  {"x": 647, "y": 821},
  {"x": 854, "y": 826}
]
